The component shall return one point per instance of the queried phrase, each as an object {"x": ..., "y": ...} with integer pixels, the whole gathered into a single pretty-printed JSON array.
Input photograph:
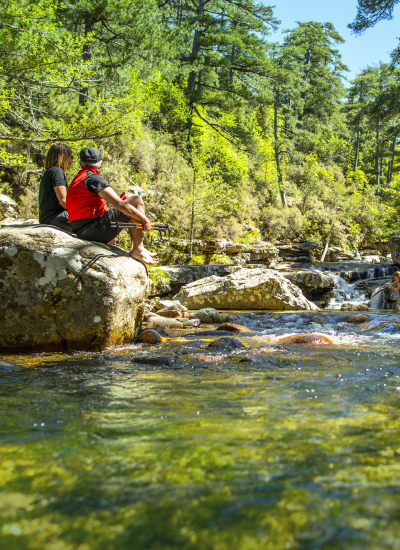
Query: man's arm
[
  {"x": 111, "y": 196},
  {"x": 61, "y": 194}
]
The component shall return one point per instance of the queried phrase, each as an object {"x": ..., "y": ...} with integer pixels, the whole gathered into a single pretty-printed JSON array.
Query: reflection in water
[{"x": 273, "y": 446}]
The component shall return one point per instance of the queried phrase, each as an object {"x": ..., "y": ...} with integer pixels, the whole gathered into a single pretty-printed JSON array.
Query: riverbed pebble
[
  {"x": 315, "y": 339},
  {"x": 230, "y": 327},
  {"x": 206, "y": 316},
  {"x": 149, "y": 336},
  {"x": 226, "y": 343},
  {"x": 162, "y": 322},
  {"x": 347, "y": 306},
  {"x": 357, "y": 319},
  {"x": 169, "y": 313}
]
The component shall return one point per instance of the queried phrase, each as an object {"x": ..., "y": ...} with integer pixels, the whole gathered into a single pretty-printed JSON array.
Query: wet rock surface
[
  {"x": 206, "y": 316},
  {"x": 149, "y": 336},
  {"x": 348, "y": 306},
  {"x": 231, "y": 327},
  {"x": 226, "y": 344}
]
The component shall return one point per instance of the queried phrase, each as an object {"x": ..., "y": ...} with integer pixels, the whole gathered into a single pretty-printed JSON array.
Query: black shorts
[
  {"x": 61, "y": 220},
  {"x": 100, "y": 229}
]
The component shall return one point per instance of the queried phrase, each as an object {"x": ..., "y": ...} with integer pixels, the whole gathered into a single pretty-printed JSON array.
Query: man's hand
[{"x": 146, "y": 226}]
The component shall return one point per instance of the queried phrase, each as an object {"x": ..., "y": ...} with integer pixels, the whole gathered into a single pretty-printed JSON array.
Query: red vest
[{"x": 82, "y": 203}]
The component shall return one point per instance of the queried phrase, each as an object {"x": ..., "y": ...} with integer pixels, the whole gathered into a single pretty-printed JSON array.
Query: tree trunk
[
  {"x": 86, "y": 56},
  {"x": 278, "y": 155},
  {"x": 195, "y": 49},
  {"x": 327, "y": 243},
  {"x": 391, "y": 161},
  {"x": 192, "y": 218},
  {"x": 357, "y": 148},
  {"x": 377, "y": 154},
  {"x": 307, "y": 61}
]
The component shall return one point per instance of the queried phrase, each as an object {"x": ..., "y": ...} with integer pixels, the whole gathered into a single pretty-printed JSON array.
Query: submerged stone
[
  {"x": 10, "y": 367},
  {"x": 230, "y": 327},
  {"x": 315, "y": 339},
  {"x": 156, "y": 360},
  {"x": 208, "y": 333},
  {"x": 226, "y": 343},
  {"x": 357, "y": 319}
]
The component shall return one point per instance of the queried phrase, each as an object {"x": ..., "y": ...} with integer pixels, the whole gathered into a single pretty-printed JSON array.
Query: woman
[{"x": 53, "y": 187}]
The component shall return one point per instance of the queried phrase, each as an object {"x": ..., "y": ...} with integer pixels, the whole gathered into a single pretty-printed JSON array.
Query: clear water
[{"x": 268, "y": 447}]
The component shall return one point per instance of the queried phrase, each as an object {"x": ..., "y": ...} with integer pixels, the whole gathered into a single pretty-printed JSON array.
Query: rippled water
[{"x": 272, "y": 446}]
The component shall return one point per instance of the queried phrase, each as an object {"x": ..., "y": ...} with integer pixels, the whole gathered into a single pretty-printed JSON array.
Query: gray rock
[
  {"x": 20, "y": 222},
  {"x": 347, "y": 306},
  {"x": 170, "y": 304},
  {"x": 58, "y": 292},
  {"x": 394, "y": 246},
  {"x": 307, "y": 280},
  {"x": 226, "y": 344},
  {"x": 245, "y": 289},
  {"x": 186, "y": 323},
  {"x": 206, "y": 316},
  {"x": 8, "y": 208},
  {"x": 157, "y": 321}
]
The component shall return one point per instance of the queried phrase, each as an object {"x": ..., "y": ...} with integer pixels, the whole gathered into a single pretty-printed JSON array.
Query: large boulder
[
  {"x": 245, "y": 289},
  {"x": 394, "y": 246},
  {"x": 60, "y": 293},
  {"x": 8, "y": 208}
]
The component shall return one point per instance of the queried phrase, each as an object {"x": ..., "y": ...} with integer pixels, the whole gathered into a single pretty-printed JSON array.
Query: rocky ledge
[
  {"x": 245, "y": 289},
  {"x": 60, "y": 293}
]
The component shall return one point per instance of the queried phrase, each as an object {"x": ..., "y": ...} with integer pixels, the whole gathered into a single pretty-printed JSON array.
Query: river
[{"x": 273, "y": 446}]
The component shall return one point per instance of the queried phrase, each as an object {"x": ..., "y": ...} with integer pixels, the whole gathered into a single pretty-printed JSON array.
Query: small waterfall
[
  {"x": 378, "y": 301},
  {"x": 345, "y": 292}
]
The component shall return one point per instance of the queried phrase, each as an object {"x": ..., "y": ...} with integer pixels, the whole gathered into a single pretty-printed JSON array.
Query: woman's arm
[{"x": 61, "y": 194}]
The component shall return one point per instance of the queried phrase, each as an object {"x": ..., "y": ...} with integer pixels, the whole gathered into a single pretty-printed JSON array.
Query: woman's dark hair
[{"x": 57, "y": 155}]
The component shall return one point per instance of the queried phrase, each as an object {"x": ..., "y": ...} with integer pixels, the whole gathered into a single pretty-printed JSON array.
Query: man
[{"x": 87, "y": 197}]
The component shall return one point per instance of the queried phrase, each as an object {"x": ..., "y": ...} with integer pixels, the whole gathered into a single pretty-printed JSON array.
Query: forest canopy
[{"x": 228, "y": 131}]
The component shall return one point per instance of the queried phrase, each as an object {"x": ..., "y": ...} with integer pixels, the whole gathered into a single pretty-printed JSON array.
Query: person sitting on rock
[
  {"x": 53, "y": 187},
  {"x": 87, "y": 197},
  {"x": 396, "y": 282}
]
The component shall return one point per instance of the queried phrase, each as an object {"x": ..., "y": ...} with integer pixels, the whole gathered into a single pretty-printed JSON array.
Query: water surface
[{"x": 271, "y": 446}]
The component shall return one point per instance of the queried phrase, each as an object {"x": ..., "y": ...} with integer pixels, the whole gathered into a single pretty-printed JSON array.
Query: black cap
[{"x": 90, "y": 154}]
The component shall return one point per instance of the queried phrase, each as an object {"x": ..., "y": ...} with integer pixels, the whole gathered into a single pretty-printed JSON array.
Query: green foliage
[
  {"x": 219, "y": 126},
  {"x": 218, "y": 259}
]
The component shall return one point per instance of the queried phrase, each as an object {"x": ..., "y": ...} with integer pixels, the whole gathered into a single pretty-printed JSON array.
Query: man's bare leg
[{"x": 138, "y": 251}]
